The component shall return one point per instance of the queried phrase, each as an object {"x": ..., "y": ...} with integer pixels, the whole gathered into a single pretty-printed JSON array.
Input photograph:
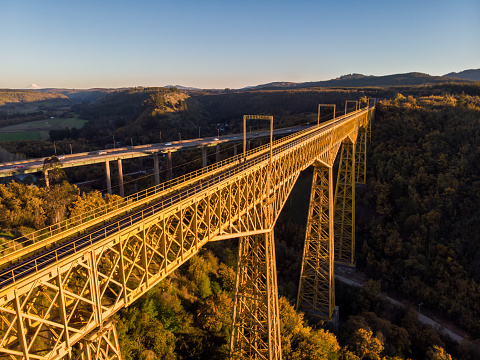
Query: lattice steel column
[
  {"x": 256, "y": 323},
  {"x": 100, "y": 345},
  {"x": 344, "y": 206},
  {"x": 361, "y": 157},
  {"x": 316, "y": 291}
]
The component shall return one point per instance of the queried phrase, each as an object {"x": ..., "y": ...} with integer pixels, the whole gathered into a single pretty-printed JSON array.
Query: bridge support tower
[
  {"x": 316, "y": 291},
  {"x": 361, "y": 156},
  {"x": 256, "y": 322},
  {"x": 344, "y": 206}
]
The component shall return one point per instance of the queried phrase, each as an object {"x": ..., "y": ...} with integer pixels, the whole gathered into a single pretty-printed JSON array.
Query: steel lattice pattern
[
  {"x": 49, "y": 310},
  {"x": 316, "y": 292}
]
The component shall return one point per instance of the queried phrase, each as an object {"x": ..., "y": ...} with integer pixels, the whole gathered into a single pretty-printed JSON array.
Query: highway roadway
[{"x": 79, "y": 159}]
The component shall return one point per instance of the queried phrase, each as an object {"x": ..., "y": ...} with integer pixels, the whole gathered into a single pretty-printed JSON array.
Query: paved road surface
[
  {"x": 79, "y": 159},
  {"x": 421, "y": 318}
]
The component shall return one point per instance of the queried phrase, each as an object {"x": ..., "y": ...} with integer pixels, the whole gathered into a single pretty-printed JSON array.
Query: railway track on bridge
[{"x": 46, "y": 258}]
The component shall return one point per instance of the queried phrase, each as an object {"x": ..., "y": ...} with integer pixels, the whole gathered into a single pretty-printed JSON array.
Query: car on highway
[
  {"x": 216, "y": 139},
  {"x": 18, "y": 166},
  {"x": 61, "y": 157},
  {"x": 168, "y": 144}
]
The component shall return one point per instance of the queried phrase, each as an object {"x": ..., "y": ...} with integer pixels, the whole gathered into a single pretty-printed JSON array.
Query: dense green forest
[
  {"x": 417, "y": 238},
  {"x": 424, "y": 192}
]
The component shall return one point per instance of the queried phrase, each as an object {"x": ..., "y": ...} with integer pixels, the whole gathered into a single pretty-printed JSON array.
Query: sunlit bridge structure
[{"x": 59, "y": 293}]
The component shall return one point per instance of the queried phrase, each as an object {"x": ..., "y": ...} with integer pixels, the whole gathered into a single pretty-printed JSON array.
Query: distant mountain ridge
[
  {"x": 360, "y": 80},
  {"x": 471, "y": 74}
]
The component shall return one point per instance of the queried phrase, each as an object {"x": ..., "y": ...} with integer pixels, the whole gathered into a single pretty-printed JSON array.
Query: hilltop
[
  {"x": 360, "y": 80},
  {"x": 9, "y": 96},
  {"x": 471, "y": 74}
]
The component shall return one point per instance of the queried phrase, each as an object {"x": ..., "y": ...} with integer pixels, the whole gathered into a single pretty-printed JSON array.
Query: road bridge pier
[
  {"x": 120, "y": 178},
  {"x": 169, "y": 166},
  {"x": 156, "y": 170},
  {"x": 109, "y": 180},
  {"x": 217, "y": 153},
  {"x": 204, "y": 156}
]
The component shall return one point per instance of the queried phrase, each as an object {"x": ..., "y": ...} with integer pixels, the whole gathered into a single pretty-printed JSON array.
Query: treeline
[
  {"x": 25, "y": 208},
  {"x": 424, "y": 191}
]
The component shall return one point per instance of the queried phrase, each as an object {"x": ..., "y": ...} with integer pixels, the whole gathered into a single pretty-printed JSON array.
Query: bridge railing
[
  {"x": 70, "y": 248},
  {"x": 13, "y": 249}
]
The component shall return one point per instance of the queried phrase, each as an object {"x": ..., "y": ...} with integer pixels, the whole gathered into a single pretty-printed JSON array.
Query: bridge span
[{"x": 58, "y": 292}]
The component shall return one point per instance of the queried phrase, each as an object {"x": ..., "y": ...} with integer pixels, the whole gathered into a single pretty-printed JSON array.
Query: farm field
[{"x": 38, "y": 129}]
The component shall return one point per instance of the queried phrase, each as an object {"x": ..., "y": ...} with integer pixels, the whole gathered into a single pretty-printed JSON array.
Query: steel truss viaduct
[{"x": 58, "y": 301}]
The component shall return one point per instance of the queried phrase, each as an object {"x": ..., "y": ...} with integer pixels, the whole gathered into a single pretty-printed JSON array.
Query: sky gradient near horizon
[{"x": 220, "y": 44}]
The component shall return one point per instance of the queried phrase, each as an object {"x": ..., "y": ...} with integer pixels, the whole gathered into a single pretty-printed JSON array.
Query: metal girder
[
  {"x": 54, "y": 305},
  {"x": 256, "y": 322},
  {"x": 344, "y": 206},
  {"x": 316, "y": 291}
]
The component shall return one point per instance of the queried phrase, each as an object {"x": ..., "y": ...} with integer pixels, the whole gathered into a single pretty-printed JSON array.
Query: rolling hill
[
  {"x": 359, "y": 80},
  {"x": 471, "y": 74}
]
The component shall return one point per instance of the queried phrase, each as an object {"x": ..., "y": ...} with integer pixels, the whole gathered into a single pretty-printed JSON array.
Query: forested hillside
[
  {"x": 9, "y": 96},
  {"x": 424, "y": 193}
]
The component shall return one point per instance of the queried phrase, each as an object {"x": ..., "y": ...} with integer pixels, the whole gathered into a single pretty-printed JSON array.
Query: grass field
[
  {"x": 20, "y": 135},
  {"x": 38, "y": 129}
]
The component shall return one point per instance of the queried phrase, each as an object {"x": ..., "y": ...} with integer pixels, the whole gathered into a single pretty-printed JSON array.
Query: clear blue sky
[{"x": 229, "y": 43}]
